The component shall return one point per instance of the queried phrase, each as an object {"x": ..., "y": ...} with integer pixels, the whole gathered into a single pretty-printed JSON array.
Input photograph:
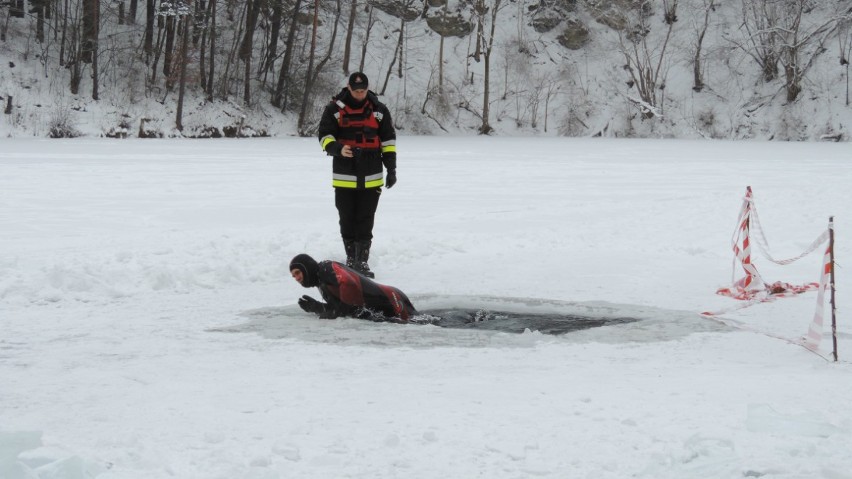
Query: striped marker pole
[
  {"x": 814, "y": 336},
  {"x": 746, "y": 287}
]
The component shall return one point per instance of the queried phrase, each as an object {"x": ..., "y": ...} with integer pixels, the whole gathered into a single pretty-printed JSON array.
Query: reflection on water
[{"x": 509, "y": 322}]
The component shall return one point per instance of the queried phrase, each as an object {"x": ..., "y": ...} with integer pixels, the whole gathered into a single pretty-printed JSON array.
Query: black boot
[
  {"x": 362, "y": 255},
  {"x": 349, "y": 246}
]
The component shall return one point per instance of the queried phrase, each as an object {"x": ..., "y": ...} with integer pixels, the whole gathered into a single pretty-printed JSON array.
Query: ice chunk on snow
[
  {"x": 11, "y": 445},
  {"x": 73, "y": 467},
  {"x": 762, "y": 418}
]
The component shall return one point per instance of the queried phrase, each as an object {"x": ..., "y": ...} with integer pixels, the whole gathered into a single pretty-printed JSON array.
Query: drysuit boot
[
  {"x": 349, "y": 246},
  {"x": 362, "y": 255}
]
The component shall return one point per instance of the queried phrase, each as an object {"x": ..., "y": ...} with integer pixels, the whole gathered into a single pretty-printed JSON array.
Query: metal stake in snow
[{"x": 833, "y": 304}]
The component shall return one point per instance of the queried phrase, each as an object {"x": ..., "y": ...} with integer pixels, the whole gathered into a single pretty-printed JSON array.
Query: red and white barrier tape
[
  {"x": 751, "y": 288},
  {"x": 763, "y": 245},
  {"x": 814, "y": 335}
]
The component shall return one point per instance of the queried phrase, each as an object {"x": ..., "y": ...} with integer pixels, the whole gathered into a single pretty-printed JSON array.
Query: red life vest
[{"x": 358, "y": 127}]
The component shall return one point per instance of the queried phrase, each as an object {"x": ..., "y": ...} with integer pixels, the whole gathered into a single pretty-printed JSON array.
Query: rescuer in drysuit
[{"x": 347, "y": 292}]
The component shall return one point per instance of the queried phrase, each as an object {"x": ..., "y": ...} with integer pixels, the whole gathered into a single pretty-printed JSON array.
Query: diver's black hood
[{"x": 309, "y": 268}]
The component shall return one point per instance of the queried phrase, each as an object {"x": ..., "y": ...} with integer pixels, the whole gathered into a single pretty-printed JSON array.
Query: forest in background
[{"x": 738, "y": 69}]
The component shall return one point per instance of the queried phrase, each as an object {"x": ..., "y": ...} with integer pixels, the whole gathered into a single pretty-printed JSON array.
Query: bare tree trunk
[
  {"x": 253, "y": 7},
  {"x": 182, "y": 87},
  {"x": 308, "y": 84},
  {"x": 279, "y": 96},
  {"x": 226, "y": 77},
  {"x": 4, "y": 27},
  {"x": 697, "y": 74},
  {"x": 479, "y": 9},
  {"x": 131, "y": 14},
  {"x": 247, "y": 82},
  {"x": 399, "y": 65},
  {"x": 366, "y": 37},
  {"x": 441, "y": 64},
  {"x": 39, "y": 7},
  {"x": 90, "y": 28},
  {"x": 347, "y": 46},
  {"x": 64, "y": 35},
  {"x": 486, "y": 96},
  {"x": 51, "y": 11},
  {"x": 845, "y": 40},
  {"x": 252, "y": 12},
  {"x": 489, "y": 46},
  {"x": 397, "y": 51},
  {"x": 331, "y": 44},
  {"x": 149, "y": 28},
  {"x": 198, "y": 21},
  {"x": 201, "y": 13},
  {"x": 16, "y": 8},
  {"x": 168, "y": 53},
  {"x": 551, "y": 89},
  {"x": 161, "y": 24},
  {"x": 96, "y": 14},
  {"x": 202, "y": 51},
  {"x": 76, "y": 46},
  {"x": 212, "y": 50},
  {"x": 272, "y": 46}
]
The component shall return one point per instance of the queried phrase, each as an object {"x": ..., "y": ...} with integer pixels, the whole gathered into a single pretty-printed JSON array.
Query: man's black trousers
[{"x": 357, "y": 211}]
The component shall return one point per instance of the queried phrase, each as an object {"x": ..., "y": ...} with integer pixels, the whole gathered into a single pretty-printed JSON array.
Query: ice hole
[{"x": 513, "y": 322}]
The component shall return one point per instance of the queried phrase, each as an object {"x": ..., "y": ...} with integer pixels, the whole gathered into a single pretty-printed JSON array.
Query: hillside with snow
[{"x": 764, "y": 69}]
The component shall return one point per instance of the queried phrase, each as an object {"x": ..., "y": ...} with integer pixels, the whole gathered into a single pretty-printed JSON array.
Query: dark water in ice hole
[{"x": 552, "y": 323}]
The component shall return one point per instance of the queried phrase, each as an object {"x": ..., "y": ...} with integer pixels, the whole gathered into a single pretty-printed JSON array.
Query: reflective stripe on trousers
[{"x": 351, "y": 181}]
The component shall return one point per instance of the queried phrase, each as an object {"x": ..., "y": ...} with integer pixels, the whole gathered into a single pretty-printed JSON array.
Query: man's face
[
  {"x": 358, "y": 95},
  {"x": 297, "y": 275}
]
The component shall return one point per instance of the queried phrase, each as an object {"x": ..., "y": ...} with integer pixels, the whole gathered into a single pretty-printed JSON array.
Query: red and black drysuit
[
  {"x": 367, "y": 128},
  {"x": 349, "y": 293}
]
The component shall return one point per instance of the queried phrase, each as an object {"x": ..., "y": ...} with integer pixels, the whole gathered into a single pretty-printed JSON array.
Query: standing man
[{"x": 357, "y": 130}]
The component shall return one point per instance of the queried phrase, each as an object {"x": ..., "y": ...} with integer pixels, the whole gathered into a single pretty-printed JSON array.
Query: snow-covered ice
[{"x": 149, "y": 325}]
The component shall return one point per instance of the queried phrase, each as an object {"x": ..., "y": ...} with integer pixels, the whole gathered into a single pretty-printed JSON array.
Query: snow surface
[{"x": 149, "y": 326}]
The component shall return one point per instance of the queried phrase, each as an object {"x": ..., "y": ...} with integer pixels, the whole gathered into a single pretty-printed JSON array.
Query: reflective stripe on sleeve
[
  {"x": 389, "y": 146},
  {"x": 324, "y": 141}
]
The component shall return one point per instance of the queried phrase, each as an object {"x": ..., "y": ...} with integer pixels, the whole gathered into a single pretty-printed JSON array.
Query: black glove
[
  {"x": 391, "y": 179},
  {"x": 311, "y": 305}
]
